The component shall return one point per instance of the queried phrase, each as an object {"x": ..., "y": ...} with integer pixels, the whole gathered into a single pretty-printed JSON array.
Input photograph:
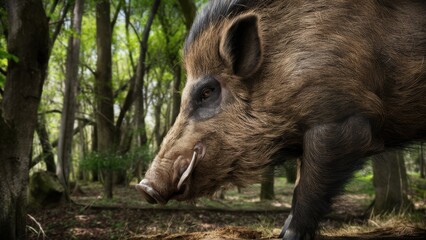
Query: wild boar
[{"x": 330, "y": 82}]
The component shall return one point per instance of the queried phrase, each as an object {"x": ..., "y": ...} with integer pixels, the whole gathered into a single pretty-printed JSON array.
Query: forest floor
[{"x": 237, "y": 216}]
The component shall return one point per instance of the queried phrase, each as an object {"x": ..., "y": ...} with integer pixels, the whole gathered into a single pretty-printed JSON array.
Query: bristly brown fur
[
  {"x": 370, "y": 55},
  {"x": 336, "y": 81}
]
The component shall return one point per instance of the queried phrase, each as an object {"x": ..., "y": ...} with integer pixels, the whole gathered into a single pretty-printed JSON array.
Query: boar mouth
[
  {"x": 150, "y": 194},
  {"x": 181, "y": 190}
]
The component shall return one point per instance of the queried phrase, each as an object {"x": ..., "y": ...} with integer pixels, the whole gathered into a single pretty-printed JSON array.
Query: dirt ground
[
  {"x": 77, "y": 222},
  {"x": 126, "y": 217}
]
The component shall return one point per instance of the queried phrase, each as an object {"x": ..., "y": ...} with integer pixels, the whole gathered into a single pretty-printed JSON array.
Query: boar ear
[{"x": 240, "y": 46}]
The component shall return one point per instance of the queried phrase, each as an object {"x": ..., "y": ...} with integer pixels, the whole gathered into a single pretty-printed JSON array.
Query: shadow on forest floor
[{"x": 238, "y": 216}]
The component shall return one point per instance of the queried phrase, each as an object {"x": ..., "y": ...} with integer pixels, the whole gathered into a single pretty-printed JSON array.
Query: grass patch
[
  {"x": 361, "y": 184},
  {"x": 403, "y": 223}
]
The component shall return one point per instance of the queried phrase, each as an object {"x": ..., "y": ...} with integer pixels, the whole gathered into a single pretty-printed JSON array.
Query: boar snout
[
  {"x": 178, "y": 187},
  {"x": 149, "y": 193}
]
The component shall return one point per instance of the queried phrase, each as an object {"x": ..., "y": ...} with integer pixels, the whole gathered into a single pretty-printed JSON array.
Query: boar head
[{"x": 217, "y": 138}]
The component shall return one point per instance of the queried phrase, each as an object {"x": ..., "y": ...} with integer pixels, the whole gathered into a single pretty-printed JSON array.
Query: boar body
[{"x": 331, "y": 82}]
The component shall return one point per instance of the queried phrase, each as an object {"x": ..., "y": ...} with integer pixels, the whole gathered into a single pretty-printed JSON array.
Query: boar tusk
[{"x": 188, "y": 171}]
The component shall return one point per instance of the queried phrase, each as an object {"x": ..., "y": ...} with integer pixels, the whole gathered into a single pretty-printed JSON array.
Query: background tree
[
  {"x": 422, "y": 167},
  {"x": 188, "y": 10},
  {"x": 290, "y": 168},
  {"x": 390, "y": 183},
  {"x": 267, "y": 187},
  {"x": 141, "y": 136},
  {"x": 103, "y": 88},
  {"x": 25, "y": 75},
  {"x": 69, "y": 103}
]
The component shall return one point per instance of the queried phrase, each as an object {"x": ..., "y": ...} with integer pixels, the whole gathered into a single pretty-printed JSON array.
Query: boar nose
[{"x": 149, "y": 193}]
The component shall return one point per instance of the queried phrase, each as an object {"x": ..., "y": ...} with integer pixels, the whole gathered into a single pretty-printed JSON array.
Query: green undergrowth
[{"x": 361, "y": 184}]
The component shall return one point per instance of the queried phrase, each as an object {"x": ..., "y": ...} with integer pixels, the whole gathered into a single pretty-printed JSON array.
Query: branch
[
  {"x": 117, "y": 11},
  {"x": 121, "y": 89},
  {"x": 89, "y": 68},
  {"x": 60, "y": 112},
  {"x": 50, "y": 111},
  {"x": 128, "y": 101},
  {"x": 136, "y": 31},
  {"x": 60, "y": 24},
  {"x": 53, "y": 7}
]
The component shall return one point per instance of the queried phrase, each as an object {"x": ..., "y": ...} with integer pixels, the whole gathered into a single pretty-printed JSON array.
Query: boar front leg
[{"x": 331, "y": 153}]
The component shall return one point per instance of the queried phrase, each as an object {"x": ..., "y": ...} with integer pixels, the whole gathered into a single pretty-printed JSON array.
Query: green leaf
[
  {"x": 2, "y": 80},
  {"x": 6, "y": 55}
]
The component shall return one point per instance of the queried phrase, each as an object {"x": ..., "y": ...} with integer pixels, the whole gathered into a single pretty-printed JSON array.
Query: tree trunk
[
  {"x": 177, "y": 82},
  {"x": 390, "y": 183},
  {"x": 291, "y": 171},
  {"x": 139, "y": 78},
  {"x": 189, "y": 10},
  {"x": 103, "y": 88},
  {"x": 127, "y": 13},
  {"x": 18, "y": 112},
  {"x": 267, "y": 187},
  {"x": 95, "y": 173},
  {"x": 47, "y": 148},
  {"x": 422, "y": 162},
  {"x": 83, "y": 150},
  {"x": 69, "y": 104}
]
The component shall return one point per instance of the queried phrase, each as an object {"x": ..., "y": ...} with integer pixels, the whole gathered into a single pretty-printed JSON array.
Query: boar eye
[
  {"x": 205, "y": 98},
  {"x": 206, "y": 93}
]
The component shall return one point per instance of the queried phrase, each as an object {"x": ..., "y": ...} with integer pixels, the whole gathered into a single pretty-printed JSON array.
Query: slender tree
[
  {"x": 188, "y": 9},
  {"x": 139, "y": 78},
  {"x": 421, "y": 161},
  {"x": 69, "y": 103},
  {"x": 103, "y": 88},
  {"x": 18, "y": 111},
  {"x": 267, "y": 186}
]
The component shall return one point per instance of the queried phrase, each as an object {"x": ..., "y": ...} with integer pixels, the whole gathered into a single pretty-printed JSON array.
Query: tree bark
[
  {"x": 95, "y": 173},
  {"x": 157, "y": 131},
  {"x": 177, "y": 82},
  {"x": 83, "y": 149},
  {"x": 422, "y": 162},
  {"x": 47, "y": 148},
  {"x": 103, "y": 88},
  {"x": 18, "y": 112},
  {"x": 139, "y": 77},
  {"x": 188, "y": 9},
  {"x": 267, "y": 187},
  {"x": 291, "y": 171},
  {"x": 69, "y": 104},
  {"x": 390, "y": 183}
]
